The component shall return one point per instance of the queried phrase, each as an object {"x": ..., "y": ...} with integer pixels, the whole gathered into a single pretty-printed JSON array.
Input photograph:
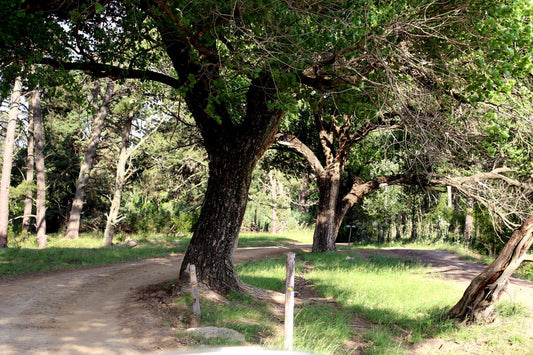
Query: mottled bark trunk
[
  {"x": 274, "y": 224},
  {"x": 469, "y": 222},
  {"x": 414, "y": 224},
  {"x": 39, "y": 170},
  {"x": 477, "y": 303},
  {"x": 273, "y": 196},
  {"x": 73, "y": 226},
  {"x": 30, "y": 163},
  {"x": 120, "y": 180},
  {"x": 303, "y": 195},
  {"x": 7, "y": 163},
  {"x": 328, "y": 220}
]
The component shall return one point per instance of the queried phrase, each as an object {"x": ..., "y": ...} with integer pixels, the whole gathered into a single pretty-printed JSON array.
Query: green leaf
[{"x": 99, "y": 8}]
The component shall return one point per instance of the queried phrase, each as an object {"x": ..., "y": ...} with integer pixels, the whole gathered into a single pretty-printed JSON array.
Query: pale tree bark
[
  {"x": 120, "y": 180},
  {"x": 73, "y": 226},
  {"x": 30, "y": 168},
  {"x": 469, "y": 221},
  {"x": 273, "y": 195},
  {"x": 7, "y": 164},
  {"x": 39, "y": 170},
  {"x": 478, "y": 301}
]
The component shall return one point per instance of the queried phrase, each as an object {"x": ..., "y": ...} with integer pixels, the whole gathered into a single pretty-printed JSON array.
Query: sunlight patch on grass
[{"x": 268, "y": 239}]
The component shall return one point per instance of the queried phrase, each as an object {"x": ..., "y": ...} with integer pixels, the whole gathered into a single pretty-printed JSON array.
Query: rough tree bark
[
  {"x": 30, "y": 169},
  {"x": 39, "y": 170},
  {"x": 73, "y": 226},
  {"x": 233, "y": 151},
  {"x": 328, "y": 220},
  {"x": 8, "y": 161},
  {"x": 478, "y": 301},
  {"x": 120, "y": 180}
]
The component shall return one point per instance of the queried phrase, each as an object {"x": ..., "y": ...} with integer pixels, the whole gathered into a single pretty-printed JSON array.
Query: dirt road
[{"x": 85, "y": 311}]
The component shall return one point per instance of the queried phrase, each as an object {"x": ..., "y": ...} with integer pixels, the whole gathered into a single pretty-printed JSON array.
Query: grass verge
[
  {"x": 63, "y": 253},
  {"x": 25, "y": 256},
  {"x": 402, "y": 305}
]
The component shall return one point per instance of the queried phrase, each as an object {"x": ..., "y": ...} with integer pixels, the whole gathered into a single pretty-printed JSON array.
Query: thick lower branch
[{"x": 100, "y": 70}]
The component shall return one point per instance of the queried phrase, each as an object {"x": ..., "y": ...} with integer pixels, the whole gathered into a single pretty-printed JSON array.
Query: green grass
[
  {"x": 525, "y": 271},
  {"x": 403, "y": 305},
  {"x": 25, "y": 257},
  {"x": 62, "y": 253},
  {"x": 267, "y": 239}
]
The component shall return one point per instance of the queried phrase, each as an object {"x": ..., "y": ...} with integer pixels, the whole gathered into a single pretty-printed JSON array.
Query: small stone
[{"x": 230, "y": 335}]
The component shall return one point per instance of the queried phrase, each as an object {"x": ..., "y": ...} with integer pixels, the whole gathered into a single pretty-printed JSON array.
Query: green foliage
[{"x": 271, "y": 189}]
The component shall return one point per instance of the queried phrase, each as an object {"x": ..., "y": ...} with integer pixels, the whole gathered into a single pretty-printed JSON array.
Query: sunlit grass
[
  {"x": 403, "y": 305},
  {"x": 525, "y": 271},
  {"x": 268, "y": 239},
  {"x": 23, "y": 254},
  {"x": 64, "y": 253}
]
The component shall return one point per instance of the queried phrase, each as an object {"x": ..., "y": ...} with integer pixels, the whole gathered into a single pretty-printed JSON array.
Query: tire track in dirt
[{"x": 81, "y": 311}]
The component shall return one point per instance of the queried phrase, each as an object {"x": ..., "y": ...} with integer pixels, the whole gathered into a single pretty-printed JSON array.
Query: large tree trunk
[
  {"x": 477, "y": 303},
  {"x": 73, "y": 226},
  {"x": 30, "y": 163},
  {"x": 39, "y": 170},
  {"x": 328, "y": 220},
  {"x": 8, "y": 161},
  {"x": 216, "y": 235},
  {"x": 120, "y": 180},
  {"x": 233, "y": 151}
]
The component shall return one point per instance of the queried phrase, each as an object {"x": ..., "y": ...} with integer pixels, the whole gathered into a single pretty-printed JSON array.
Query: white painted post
[
  {"x": 194, "y": 290},
  {"x": 289, "y": 302}
]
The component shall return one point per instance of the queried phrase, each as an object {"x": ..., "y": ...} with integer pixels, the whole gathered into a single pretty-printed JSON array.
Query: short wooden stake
[
  {"x": 289, "y": 302},
  {"x": 194, "y": 290}
]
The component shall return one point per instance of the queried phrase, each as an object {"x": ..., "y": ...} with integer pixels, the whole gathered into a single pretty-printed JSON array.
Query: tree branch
[
  {"x": 104, "y": 70},
  {"x": 293, "y": 142}
]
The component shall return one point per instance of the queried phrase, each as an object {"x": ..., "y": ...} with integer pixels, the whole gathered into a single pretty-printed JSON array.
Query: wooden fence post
[
  {"x": 194, "y": 290},
  {"x": 289, "y": 302}
]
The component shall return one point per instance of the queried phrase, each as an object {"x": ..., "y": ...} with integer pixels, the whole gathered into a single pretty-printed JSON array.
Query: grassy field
[{"x": 402, "y": 307}]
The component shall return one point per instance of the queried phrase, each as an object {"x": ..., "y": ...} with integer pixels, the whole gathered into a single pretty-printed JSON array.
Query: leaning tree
[
  {"x": 239, "y": 67},
  {"x": 236, "y": 65}
]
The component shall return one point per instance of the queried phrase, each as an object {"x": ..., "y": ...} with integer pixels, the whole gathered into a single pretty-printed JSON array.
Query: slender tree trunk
[
  {"x": 274, "y": 196},
  {"x": 303, "y": 195},
  {"x": 8, "y": 161},
  {"x": 30, "y": 162},
  {"x": 73, "y": 226},
  {"x": 469, "y": 221},
  {"x": 477, "y": 303},
  {"x": 120, "y": 180},
  {"x": 328, "y": 220},
  {"x": 39, "y": 169}
]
